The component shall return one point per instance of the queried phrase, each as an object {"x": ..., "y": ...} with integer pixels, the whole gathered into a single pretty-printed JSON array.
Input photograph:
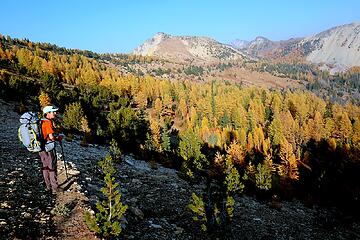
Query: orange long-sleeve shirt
[{"x": 46, "y": 128}]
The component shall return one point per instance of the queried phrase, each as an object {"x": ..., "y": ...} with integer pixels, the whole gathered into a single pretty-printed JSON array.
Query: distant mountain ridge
[
  {"x": 337, "y": 48},
  {"x": 187, "y": 48},
  {"x": 263, "y": 47}
]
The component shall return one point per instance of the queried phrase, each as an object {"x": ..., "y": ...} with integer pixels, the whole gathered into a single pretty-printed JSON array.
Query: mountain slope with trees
[
  {"x": 156, "y": 210},
  {"x": 230, "y": 138}
]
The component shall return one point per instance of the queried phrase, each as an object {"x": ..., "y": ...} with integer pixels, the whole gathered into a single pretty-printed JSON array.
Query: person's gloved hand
[{"x": 60, "y": 137}]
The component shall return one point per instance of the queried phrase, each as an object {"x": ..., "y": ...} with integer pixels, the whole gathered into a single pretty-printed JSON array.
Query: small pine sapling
[
  {"x": 197, "y": 206},
  {"x": 107, "y": 221},
  {"x": 115, "y": 151}
]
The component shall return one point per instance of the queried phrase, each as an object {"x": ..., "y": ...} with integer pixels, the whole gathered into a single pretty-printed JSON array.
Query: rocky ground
[{"x": 156, "y": 196}]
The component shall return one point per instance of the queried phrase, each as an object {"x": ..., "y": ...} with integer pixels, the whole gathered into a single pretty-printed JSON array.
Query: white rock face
[
  {"x": 150, "y": 46},
  {"x": 339, "y": 46}
]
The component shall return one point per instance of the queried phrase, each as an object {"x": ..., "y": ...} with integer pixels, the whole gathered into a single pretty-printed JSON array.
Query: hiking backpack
[{"x": 30, "y": 132}]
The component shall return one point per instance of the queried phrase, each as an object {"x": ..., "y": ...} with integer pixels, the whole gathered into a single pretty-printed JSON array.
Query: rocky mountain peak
[
  {"x": 261, "y": 40},
  {"x": 260, "y": 46},
  {"x": 161, "y": 36},
  {"x": 184, "y": 48},
  {"x": 150, "y": 45},
  {"x": 338, "y": 46}
]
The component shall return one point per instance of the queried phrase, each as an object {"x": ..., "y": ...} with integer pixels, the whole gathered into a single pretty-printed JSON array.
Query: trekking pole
[{"x": 63, "y": 157}]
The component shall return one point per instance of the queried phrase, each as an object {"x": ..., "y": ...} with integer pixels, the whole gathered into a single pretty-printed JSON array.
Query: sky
[{"x": 120, "y": 26}]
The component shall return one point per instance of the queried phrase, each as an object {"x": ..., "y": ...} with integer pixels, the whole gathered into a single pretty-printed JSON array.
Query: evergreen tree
[
  {"x": 190, "y": 151},
  {"x": 72, "y": 117},
  {"x": 110, "y": 212},
  {"x": 165, "y": 141}
]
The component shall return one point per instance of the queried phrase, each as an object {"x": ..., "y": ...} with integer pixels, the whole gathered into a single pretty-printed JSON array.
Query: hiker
[{"x": 47, "y": 155}]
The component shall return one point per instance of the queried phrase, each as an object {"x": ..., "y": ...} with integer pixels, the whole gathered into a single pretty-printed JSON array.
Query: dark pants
[{"x": 49, "y": 172}]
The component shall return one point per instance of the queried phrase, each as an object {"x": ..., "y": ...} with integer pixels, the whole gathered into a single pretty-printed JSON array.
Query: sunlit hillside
[{"x": 248, "y": 127}]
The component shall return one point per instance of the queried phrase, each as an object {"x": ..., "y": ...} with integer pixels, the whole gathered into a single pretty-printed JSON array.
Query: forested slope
[{"x": 252, "y": 140}]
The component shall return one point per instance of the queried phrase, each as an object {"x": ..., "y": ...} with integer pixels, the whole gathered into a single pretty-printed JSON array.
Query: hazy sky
[{"x": 120, "y": 26}]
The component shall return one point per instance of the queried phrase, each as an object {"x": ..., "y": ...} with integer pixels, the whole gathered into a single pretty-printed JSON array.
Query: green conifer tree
[{"x": 107, "y": 221}]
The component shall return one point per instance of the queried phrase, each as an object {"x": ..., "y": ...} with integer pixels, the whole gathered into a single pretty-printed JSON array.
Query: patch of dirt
[{"x": 68, "y": 212}]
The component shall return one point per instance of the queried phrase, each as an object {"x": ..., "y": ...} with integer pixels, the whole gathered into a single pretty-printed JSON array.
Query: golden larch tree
[
  {"x": 44, "y": 99},
  {"x": 288, "y": 167}
]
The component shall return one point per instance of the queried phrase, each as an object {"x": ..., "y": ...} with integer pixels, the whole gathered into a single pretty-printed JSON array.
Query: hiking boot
[{"x": 57, "y": 191}]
